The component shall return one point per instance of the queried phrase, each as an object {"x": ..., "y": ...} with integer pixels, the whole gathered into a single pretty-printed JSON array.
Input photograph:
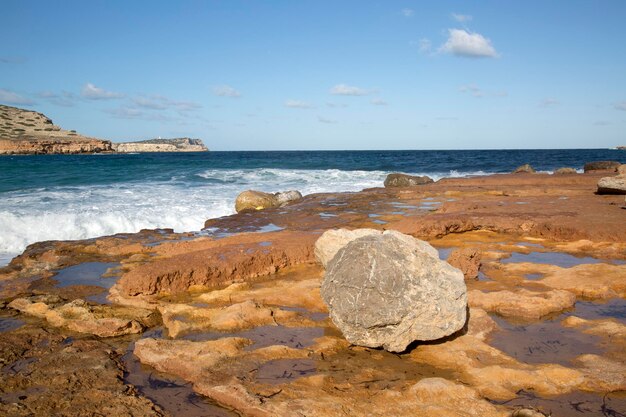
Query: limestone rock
[
  {"x": 251, "y": 200},
  {"x": 467, "y": 260},
  {"x": 562, "y": 171},
  {"x": 391, "y": 289},
  {"x": 522, "y": 304},
  {"x": 601, "y": 166},
  {"x": 524, "y": 169},
  {"x": 287, "y": 197},
  {"x": 612, "y": 185},
  {"x": 404, "y": 180},
  {"x": 327, "y": 246}
]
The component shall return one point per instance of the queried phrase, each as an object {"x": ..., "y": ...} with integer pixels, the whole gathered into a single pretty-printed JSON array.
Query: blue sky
[{"x": 246, "y": 75}]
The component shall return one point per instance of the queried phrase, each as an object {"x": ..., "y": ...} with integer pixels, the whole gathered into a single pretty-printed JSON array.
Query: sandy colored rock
[
  {"x": 404, "y": 180},
  {"x": 522, "y": 304},
  {"x": 285, "y": 197},
  {"x": 591, "y": 281},
  {"x": 467, "y": 260},
  {"x": 621, "y": 170},
  {"x": 255, "y": 200},
  {"x": 524, "y": 169},
  {"x": 565, "y": 171},
  {"x": 102, "y": 321},
  {"x": 327, "y": 246},
  {"x": 612, "y": 185},
  {"x": 389, "y": 290}
]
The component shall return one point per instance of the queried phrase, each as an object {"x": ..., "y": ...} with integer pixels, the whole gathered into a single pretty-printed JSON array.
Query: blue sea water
[{"x": 48, "y": 197}]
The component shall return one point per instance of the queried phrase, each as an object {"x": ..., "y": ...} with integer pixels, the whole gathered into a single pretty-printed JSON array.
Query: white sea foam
[{"x": 64, "y": 213}]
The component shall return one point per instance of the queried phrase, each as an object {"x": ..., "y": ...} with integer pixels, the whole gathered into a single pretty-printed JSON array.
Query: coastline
[{"x": 542, "y": 239}]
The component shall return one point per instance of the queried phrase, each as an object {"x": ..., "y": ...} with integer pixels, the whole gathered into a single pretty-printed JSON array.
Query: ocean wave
[{"x": 81, "y": 212}]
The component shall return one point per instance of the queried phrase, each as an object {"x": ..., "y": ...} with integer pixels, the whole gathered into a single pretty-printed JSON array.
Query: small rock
[
  {"x": 562, "y": 171},
  {"x": 327, "y": 246},
  {"x": 391, "y": 289},
  {"x": 287, "y": 197},
  {"x": 524, "y": 169},
  {"x": 612, "y": 185},
  {"x": 467, "y": 260},
  {"x": 251, "y": 200},
  {"x": 527, "y": 412},
  {"x": 404, "y": 180},
  {"x": 601, "y": 166}
]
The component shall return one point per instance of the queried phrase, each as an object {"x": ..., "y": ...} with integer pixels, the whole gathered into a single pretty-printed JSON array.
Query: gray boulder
[
  {"x": 327, "y": 246},
  {"x": 285, "y": 197},
  {"x": 391, "y": 289},
  {"x": 404, "y": 180},
  {"x": 612, "y": 185},
  {"x": 524, "y": 169},
  {"x": 601, "y": 166}
]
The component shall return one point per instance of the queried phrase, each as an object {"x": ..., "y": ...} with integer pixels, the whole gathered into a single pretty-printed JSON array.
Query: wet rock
[
  {"x": 590, "y": 281},
  {"x": 391, "y": 289},
  {"x": 562, "y": 171},
  {"x": 524, "y": 169},
  {"x": 255, "y": 200},
  {"x": 612, "y": 185},
  {"x": 404, "y": 180},
  {"x": 601, "y": 166},
  {"x": 467, "y": 260},
  {"x": 102, "y": 321},
  {"x": 522, "y": 304},
  {"x": 327, "y": 246},
  {"x": 258, "y": 200}
]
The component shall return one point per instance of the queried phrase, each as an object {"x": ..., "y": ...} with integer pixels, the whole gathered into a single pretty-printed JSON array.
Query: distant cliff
[
  {"x": 161, "y": 145},
  {"x": 28, "y": 132}
]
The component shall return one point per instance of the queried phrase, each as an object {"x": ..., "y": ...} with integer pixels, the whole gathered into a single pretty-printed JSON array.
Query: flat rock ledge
[{"x": 389, "y": 290}]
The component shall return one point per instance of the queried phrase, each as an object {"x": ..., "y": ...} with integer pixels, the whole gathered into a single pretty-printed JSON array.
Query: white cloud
[
  {"x": 336, "y": 105},
  {"x": 467, "y": 44},
  {"x": 9, "y": 97},
  {"x": 379, "y": 102},
  {"x": 297, "y": 104},
  {"x": 226, "y": 91},
  {"x": 92, "y": 92},
  {"x": 325, "y": 120},
  {"x": 461, "y": 17},
  {"x": 549, "y": 102},
  {"x": 347, "y": 90},
  {"x": 157, "y": 102},
  {"x": 125, "y": 113},
  {"x": 64, "y": 99},
  {"x": 408, "y": 12},
  {"x": 620, "y": 106}
]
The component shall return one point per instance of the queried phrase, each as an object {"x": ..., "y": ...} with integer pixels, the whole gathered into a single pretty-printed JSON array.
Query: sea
[{"x": 63, "y": 197}]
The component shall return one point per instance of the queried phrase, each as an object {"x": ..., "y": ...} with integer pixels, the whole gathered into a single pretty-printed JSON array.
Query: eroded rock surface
[
  {"x": 391, "y": 289},
  {"x": 612, "y": 185},
  {"x": 404, "y": 180}
]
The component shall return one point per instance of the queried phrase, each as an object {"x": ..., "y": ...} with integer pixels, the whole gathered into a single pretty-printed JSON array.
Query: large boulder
[
  {"x": 327, "y": 246},
  {"x": 524, "y": 169},
  {"x": 563, "y": 171},
  {"x": 601, "y": 166},
  {"x": 612, "y": 185},
  {"x": 251, "y": 200},
  {"x": 404, "y": 180},
  {"x": 391, "y": 289}
]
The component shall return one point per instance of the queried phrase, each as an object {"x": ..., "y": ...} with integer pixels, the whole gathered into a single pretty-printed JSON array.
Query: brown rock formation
[{"x": 28, "y": 132}]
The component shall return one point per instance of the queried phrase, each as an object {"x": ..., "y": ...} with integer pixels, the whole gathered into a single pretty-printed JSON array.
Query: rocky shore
[
  {"x": 233, "y": 321},
  {"x": 26, "y": 132}
]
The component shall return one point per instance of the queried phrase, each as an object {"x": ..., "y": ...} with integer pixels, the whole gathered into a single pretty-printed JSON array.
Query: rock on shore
[
  {"x": 404, "y": 180},
  {"x": 24, "y": 132},
  {"x": 601, "y": 166},
  {"x": 252, "y": 200},
  {"x": 391, "y": 289}
]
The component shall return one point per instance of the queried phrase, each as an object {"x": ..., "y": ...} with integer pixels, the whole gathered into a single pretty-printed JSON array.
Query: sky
[{"x": 300, "y": 75}]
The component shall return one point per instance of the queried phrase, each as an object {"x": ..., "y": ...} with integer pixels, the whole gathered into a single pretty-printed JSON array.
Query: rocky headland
[
  {"x": 26, "y": 132},
  {"x": 161, "y": 145},
  {"x": 235, "y": 320}
]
